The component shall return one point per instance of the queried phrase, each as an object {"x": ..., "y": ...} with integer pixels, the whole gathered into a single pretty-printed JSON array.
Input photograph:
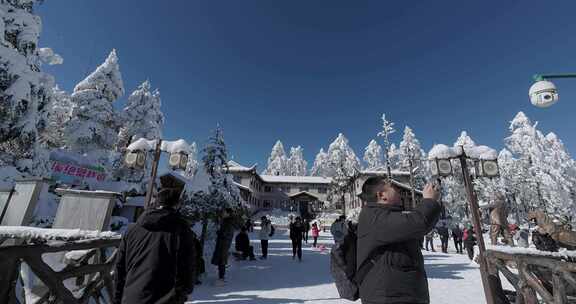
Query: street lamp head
[
  {"x": 487, "y": 168},
  {"x": 178, "y": 160},
  {"x": 543, "y": 93},
  {"x": 441, "y": 167},
  {"x": 135, "y": 159}
]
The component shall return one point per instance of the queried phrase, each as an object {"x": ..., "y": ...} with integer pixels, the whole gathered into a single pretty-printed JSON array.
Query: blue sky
[{"x": 303, "y": 71}]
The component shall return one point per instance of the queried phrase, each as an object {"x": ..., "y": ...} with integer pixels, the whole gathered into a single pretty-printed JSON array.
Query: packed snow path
[{"x": 279, "y": 279}]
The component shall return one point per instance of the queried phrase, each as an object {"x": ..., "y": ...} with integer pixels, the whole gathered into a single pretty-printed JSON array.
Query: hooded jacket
[
  {"x": 398, "y": 276},
  {"x": 156, "y": 260}
]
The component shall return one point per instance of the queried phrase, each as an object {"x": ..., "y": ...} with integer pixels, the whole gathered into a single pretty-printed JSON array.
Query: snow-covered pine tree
[
  {"x": 321, "y": 166},
  {"x": 192, "y": 165},
  {"x": 373, "y": 155},
  {"x": 393, "y": 157},
  {"x": 23, "y": 92},
  {"x": 525, "y": 143},
  {"x": 296, "y": 164},
  {"x": 277, "y": 162},
  {"x": 57, "y": 115},
  {"x": 142, "y": 116},
  {"x": 93, "y": 128},
  {"x": 342, "y": 157},
  {"x": 411, "y": 157}
]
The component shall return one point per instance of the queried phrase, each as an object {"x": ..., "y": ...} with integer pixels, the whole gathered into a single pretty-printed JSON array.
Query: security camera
[{"x": 543, "y": 94}]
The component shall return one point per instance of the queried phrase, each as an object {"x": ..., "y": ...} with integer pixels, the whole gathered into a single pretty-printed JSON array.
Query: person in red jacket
[{"x": 315, "y": 233}]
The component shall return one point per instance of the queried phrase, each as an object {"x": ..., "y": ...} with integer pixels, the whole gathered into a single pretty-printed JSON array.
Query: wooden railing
[
  {"x": 537, "y": 277},
  {"x": 86, "y": 273}
]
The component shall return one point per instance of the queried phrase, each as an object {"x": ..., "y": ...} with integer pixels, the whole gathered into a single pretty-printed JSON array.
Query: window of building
[
  {"x": 267, "y": 189},
  {"x": 267, "y": 204},
  {"x": 302, "y": 189},
  {"x": 237, "y": 179},
  {"x": 322, "y": 190}
]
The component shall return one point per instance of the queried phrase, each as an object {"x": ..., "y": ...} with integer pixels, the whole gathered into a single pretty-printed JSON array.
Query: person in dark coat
[
  {"x": 444, "y": 236},
  {"x": 469, "y": 242},
  {"x": 224, "y": 238},
  {"x": 457, "y": 237},
  {"x": 243, "y": 245},
  {"x": 156, "y": 257},
  {"x": 296, "y": 235},
  {"x": 398, "y": 276}
]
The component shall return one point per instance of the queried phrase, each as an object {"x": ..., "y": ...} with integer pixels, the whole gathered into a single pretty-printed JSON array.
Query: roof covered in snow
[
  {"x": 383, "y": 170},
  {"x": 236, "y": 167},
  {"x": 296, "y": 179}
]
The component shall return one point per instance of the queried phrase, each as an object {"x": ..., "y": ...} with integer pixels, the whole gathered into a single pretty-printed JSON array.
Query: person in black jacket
[
  {"x": 444, "y": 236},
  {"x": 156, "y": 257},
  {"x": 457, "y": 237},
  {"x": 397, "y": 276},
  {"x": 296, "y": 235},
  {"x": 224, "y": 238},
  {"x": 243, "y": 245}
]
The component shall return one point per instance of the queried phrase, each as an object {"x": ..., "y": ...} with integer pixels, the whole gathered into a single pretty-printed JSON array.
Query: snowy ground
[{"x": 452, "y": 278}]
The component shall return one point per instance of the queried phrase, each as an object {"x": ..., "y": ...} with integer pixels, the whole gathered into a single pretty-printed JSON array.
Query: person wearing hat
[
  {"x": 397, "y": 275},
  {"x": 156, "y": 259}
]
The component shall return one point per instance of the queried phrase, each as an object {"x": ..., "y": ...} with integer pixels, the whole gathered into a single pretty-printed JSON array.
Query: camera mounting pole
[{"x": 540, "y": 77}]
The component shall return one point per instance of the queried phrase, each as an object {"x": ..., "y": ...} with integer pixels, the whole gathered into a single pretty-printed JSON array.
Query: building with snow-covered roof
[{"x": 305, "y": 194}]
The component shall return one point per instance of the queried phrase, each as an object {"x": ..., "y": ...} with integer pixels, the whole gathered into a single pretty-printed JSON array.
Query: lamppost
[
  {"x": 136, "y": 158},
  {"x": 543, "y": 92},
  {"x": 486, "y": 165}
]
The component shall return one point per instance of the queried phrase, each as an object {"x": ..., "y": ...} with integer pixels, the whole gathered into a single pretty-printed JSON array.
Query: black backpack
[{"x": 343, "y": 266}]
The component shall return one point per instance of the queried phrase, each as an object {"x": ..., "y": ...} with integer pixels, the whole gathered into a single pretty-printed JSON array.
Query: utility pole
[
  {"x": 475, "y": 210},
  {"x": 152, "y": 181}
]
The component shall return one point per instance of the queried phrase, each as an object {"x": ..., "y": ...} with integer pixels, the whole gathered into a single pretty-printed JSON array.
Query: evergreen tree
[
  {"x": 93, "y": 128},
  {"x": 387, "y": 131},
  {"x": 393, "y": 157},
  {"x": 142, "y": 116},
  {"x": 57, "y": 115},
  {"x": 23, "y": 92},
  {"x": 277, "y": 162},
  {"x": 321, "y": 165},
  {"x": 342, "y": 158},
  {"x": 296, "y": 164},
  {"x": 373, "y": 155}
]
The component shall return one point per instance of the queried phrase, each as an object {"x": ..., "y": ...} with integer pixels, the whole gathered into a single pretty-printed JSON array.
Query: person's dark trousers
[
  {"x": 306, "y": 237},
  {"x": 249, "y": 253},
  {"x": 221, "y": 271},
  {"x": 431, "y": 242},
  {"x": 315, "y": 241},
  {"x": 264, "y": 245},
  {"x": 444, "y": 241},
  {"x": 470, "y": 251},
  {"x": 297, "y": 249},
  {"x": 457, "y": 245}
]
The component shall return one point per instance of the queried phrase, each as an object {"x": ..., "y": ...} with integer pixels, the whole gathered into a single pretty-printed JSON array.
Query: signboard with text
[{"x": 74, "y": 169}]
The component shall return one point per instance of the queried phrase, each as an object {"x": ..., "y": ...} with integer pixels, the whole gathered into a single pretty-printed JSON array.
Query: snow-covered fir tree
[
  {"x": 321, "y": 165},
  {"x": 296, "y": 165},
  {"x": 57, "y": 115},
  {"x": 24, "y": 92},
  {"x": 142, "y": 116},
  {"x": 373, "y": 155},
  {"x": 277, "y": 162},
  {"x": 212, "y": 187},
  {"x": 93, "y": 128},
  {"x": 393, "y": 156},
  {"x": 341, "y": 157},
  {"x": 411, "y": 157},
  {"x": 547, "y": 186},
  {"x": 192, "y": 165}
]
